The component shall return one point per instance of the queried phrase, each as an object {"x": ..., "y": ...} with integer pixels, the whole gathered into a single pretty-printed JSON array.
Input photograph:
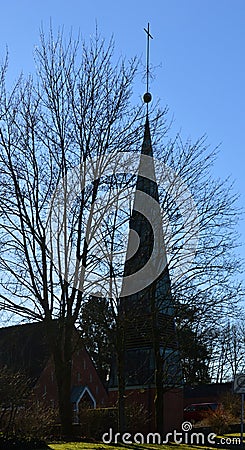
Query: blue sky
[{"x": 197, "y": 51}]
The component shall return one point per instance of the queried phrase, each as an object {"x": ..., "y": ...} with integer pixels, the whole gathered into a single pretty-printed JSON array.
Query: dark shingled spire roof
[{"x": 155, "y": 299}]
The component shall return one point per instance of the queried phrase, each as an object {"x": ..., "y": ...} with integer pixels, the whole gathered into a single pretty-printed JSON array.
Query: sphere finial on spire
[{"x": 147, "y": 97}]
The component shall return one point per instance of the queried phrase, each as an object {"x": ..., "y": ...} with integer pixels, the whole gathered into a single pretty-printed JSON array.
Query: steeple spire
[{"x": 149, "y": 352}]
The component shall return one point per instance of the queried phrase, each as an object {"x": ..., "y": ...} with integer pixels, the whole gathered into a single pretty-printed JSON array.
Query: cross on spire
[
  {"x": 147, "y": 95},
  {"x": 147, "y": 55}
]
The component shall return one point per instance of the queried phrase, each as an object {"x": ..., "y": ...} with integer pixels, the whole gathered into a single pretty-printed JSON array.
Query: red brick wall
[
  {"x": 46, "y": 388},
  {"x": 173, "y": 410},
  {"x": 83, "y": 373},
  {"x": 173, "y": 406}
]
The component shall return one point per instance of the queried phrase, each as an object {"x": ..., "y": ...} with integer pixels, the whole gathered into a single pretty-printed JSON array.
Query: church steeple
[
  {"x": 148, "y": 312},
  {"x": 146, "y": 302},
  {"x": 151, "y": 362}
]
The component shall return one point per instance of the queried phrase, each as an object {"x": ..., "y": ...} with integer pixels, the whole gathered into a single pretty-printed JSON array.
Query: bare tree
[
  {"x": 227, "y": 351},
  {"x": 59, "y": 130}
]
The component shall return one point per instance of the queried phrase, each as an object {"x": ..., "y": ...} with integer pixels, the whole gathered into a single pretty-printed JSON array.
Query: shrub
[
  {"x": 137, "y": 418},
  {"x": 219, "y": 421},
  {"x": 232, "y": 403},
  {"x": 34, "y": 421},
  {"x": 20, "y": 414},
  {"x": 23, "y": 444},
  {"x": 96, "y": 422}
]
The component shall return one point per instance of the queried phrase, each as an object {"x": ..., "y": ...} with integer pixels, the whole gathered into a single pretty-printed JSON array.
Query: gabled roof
[{"x": 24, "y": 348}]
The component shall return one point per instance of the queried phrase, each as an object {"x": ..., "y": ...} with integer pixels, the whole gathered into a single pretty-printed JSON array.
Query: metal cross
[{"x": 147, "y": 55}]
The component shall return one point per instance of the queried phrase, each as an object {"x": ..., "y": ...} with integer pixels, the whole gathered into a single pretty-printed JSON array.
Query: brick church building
[{"x": 24, "y": 349}]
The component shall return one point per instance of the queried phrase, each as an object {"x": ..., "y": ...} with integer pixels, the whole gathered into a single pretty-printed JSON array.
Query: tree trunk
[
  {"x": 158, "y": 401},
  {"x": 121, "y": 380},
  {"x": 62, "y": 355},
  {"x": 63, "y": 377}
]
